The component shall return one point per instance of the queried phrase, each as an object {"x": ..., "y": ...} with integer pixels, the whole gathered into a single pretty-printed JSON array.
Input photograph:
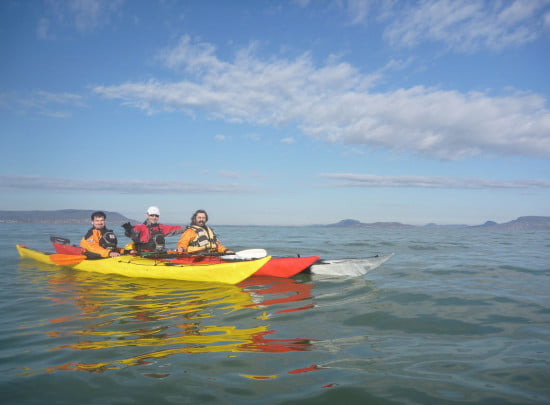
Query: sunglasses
[{"x": 153, "y": 215}]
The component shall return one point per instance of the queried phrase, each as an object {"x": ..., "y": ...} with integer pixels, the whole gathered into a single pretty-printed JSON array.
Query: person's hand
[
  {"x": 114, "y": 254},
  {"x": 127, "y": 229}
]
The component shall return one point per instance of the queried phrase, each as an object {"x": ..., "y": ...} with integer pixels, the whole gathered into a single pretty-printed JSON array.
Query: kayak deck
[{"x": 131, "y": 266}]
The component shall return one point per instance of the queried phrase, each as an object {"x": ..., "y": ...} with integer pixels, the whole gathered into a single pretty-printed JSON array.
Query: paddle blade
[
  {"x": 66, "y": 260},
  {"x": 248, "y": 254},
  {"x": 60, "y": 240}
]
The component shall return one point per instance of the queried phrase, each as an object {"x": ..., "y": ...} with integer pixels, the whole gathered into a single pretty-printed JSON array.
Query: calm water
[{"x": 456, "y": 317}]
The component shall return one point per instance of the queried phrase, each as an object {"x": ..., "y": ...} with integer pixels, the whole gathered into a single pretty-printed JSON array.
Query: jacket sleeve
[
  {"x": 171, "y": 230},
  {"x": 220, "y": 248},
  {"x": 90, "y": 243}
]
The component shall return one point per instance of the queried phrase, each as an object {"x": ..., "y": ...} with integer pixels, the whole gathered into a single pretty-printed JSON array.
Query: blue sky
[{"x": 277, "y": 113}]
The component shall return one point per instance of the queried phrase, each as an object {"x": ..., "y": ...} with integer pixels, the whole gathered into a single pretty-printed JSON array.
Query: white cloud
[
  {"x": 371, "y": 180},
  {"x": 288, "y": 140},
  {"x": 337, "y": 103},
  {"x": 119, "y": 186},
  {"x": 467, "y": 25}
]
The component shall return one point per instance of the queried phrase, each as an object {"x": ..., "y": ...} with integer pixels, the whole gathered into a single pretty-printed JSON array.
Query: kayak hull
[
  {"x": 349, "y": 267},
  {"x": 286, "y": 266},
  {"x": 276, "y": 267},
  {"x": 131, "y": 266}
]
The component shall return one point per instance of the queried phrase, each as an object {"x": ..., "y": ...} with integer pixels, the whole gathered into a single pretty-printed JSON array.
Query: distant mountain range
[
  {"x": 82, "y": 217},
  {"x": 65, "y": 217},
  {"x": 529, "y": 222}
]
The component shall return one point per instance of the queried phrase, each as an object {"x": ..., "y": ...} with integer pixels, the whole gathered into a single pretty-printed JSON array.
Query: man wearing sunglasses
[{"x": 150, "y": 235}]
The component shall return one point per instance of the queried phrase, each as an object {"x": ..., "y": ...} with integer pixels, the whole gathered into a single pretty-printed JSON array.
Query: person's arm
[{"x": 171, "y": 230}]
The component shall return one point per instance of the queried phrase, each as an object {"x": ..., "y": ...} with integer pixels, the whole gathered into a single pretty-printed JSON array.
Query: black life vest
[{"x": 108, "y": 239}]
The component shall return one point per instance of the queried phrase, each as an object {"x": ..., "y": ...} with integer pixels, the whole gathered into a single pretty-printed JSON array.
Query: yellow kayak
[{"x": 131, "y": 266}]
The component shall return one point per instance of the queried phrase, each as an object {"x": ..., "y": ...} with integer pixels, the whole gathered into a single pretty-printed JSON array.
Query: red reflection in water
[
  {"x": 313, "y": 367},
  {"x": 260, "y": 344},
  {"x": 285, "y": 289}
]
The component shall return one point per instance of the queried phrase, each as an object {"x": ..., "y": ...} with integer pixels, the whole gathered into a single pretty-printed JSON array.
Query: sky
[{"x": 277, "y": 112}]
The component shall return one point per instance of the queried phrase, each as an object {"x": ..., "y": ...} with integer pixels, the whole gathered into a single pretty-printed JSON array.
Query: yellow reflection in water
[{"x": 102, "y": 317}]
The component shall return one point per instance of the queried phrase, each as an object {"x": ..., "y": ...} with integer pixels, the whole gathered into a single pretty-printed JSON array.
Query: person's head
[
  {"x": 200, "y": 218},
  {"x": 98, "y": 219},
  {"x": 153, "y": 214}
]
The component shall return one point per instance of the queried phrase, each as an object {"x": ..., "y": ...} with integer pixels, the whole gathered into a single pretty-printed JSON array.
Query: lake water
[{"x": 457, "y": 316}]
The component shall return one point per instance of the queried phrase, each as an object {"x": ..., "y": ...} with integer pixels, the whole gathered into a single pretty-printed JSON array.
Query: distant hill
[
  {"x": 354, "y": 223},
  {"x": 82, "y": 217},
  {"x": 521, "y": 223},
  {"x": 79, "y": 217}
]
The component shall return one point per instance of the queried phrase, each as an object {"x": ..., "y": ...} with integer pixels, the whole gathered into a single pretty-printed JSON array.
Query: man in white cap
[{"x": 150, "y": 235}]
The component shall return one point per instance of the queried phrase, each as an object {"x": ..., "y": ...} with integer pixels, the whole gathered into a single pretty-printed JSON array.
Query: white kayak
[{"x": 348, "y": 267}]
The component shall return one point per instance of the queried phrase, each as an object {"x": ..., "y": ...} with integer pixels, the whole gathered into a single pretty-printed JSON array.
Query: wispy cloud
[
  {"x": 371, "y": 180},
  {"x": 463, "y": 26},
  {"x": 55, "y": 105},
  {"x": 119, "y": 186},
  {"x": 43, "y": 30},
  {"x": 124, "y": 186},
  {"x": 337, "y": 103},
  {"x": 82, "y": 15},
  {"x": 229, "y": 174}
]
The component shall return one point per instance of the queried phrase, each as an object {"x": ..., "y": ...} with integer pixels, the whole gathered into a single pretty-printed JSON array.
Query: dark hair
[
  {"x": 98, "y": 214},
  {"x": 197, "y": 212}
]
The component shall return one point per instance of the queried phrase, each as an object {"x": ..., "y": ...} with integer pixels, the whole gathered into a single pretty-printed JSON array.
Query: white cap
[{"x": 153, "y": 210}]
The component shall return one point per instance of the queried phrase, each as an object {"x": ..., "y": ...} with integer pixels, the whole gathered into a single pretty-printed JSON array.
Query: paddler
[
  {"x": 199, "y": 237},
  {"x": 99, "y": 241},
  {"x": 150, "y": 235}
]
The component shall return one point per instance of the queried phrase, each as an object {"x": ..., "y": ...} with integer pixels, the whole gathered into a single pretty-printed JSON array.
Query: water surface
[{"x": 456, "y": 316}]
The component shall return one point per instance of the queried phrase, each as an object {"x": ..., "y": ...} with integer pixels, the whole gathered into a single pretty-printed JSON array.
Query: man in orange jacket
[
  {"x": 199, "y": 237},
  {"x": 99, "y": 241}
]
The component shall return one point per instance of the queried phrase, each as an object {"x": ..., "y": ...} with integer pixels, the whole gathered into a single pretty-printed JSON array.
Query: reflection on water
[
  {"x": 276, "y": 290},
  {"x": 113, "y": 322}
]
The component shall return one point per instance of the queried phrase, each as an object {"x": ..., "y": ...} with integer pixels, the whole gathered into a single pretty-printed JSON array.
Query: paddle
[
  {"x": 248, "y": 254},
  {"x": 60, "y": 240},
  {"x": 66, "y": 260}
]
